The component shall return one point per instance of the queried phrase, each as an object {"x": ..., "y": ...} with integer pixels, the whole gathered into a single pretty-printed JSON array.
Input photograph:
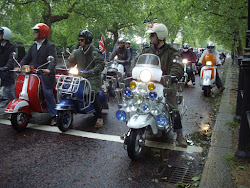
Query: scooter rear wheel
[
  {"x": 64, "y": 120},
  {"x": 207, "y": 91},
  {"x": 135, "y": 143},
  {"x": 19, "y": 121}
]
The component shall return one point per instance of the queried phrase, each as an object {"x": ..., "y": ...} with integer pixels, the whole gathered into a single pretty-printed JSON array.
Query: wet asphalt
[{"x": 36, "y": 158}]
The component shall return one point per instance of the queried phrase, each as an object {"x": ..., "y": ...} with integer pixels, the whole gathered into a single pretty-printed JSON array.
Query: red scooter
[{"x": 29, "y": 96}]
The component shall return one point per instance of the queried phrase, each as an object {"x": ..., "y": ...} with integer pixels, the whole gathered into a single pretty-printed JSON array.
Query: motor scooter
[
  {"x": 143, "y": 105},
  {"x": 29, "y": 93},
  {"x": 208, "y": 74},
  {"x": 187, "y": 71},
  {"x": 113, "y": 74},
  {"x": 76, "y": 96}
]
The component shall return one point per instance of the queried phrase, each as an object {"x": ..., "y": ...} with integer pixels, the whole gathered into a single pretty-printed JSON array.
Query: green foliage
[{"x": 223, "y": 22}]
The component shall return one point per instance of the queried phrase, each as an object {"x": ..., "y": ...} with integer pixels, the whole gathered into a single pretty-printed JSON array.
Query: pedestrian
[
  {"x": 171, "y": 65},
  {"x": 6, "y": 63},
  {"x": 37, "y": 56},
  {"x": 89, "y": 58}
]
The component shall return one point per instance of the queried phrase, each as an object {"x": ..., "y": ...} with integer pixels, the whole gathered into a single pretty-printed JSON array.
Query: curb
[{"x": 216, "y": 172}]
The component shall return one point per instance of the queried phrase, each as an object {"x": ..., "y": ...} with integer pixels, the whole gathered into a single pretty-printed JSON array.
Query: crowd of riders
[{"x": 86, "y": 55}]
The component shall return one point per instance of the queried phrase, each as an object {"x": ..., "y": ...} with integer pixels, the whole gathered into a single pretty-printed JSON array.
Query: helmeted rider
[
  {"x": 211, "y": 49},
  {"x": 89, "y": 58},
  {"x": 187, "y": 54},
  {"x": 36, "y": 56},
  {"x": 170, "y": 65},
  {"x": 123, "y": 54},
  {"x": 6, "y": 63}
]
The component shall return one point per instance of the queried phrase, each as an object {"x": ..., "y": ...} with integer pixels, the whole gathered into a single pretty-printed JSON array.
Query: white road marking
[{"x": 112, "y": 138}]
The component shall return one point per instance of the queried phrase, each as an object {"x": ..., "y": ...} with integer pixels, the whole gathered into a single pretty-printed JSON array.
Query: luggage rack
[{"x": 70, "y": 85}]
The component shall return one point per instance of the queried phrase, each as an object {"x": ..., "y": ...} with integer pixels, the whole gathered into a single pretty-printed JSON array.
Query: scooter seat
[{"x": 112, "y": 72}]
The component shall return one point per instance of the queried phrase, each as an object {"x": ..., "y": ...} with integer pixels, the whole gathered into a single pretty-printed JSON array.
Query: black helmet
[{"x": 87, "y": 35}]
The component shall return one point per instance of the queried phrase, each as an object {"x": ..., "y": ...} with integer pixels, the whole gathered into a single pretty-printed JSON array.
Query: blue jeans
[{"x": 50, "y": 99}]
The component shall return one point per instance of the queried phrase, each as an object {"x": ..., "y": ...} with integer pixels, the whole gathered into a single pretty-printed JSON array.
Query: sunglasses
[
  {"x": 81, "y": 40},
  {"x": 36, "y": 31},
  {"x": 152, "y": 34}
]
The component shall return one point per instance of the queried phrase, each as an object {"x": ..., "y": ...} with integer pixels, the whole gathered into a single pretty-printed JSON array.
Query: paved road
[{"x": 47, "y": 158}]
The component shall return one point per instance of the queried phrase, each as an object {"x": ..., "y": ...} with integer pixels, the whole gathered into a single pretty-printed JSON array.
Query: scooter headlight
[
  {"x": 132, "y": 85},
  {"x": 127, "y": 91},
  {"x": 152, "y": 95},
  {"x": 184, "y": 61},
  {"x": 151, "y": 86},
  {"x": 209, "y": 63},
  {"x": 145, "y": 107},
  {"x": 121, "y": 115},
  {"x": 155, "y": 110},
  {"x": 161, "y": 120},
  {"x": 74, "y": 70},
  {"x": 25, "y": 68},
  {"x": 145, "y": 75},
  {"x": 142, "y": 88},
  {"x": 138, "y": 99}
]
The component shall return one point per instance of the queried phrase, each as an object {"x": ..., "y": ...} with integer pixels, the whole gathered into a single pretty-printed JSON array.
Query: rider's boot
[{"x": 99, "y": 123}]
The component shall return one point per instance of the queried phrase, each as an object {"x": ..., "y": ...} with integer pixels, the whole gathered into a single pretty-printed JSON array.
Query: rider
[
  {"x": 6, "y": 63},
  {"x": 171, "y": 65},
  {"x": 89, "y": 58},
  {"x": 37, "y": 56},
  {"x": 186, "y": 54},
  {"x": 211, "y": 49},
  {"x": 123, "y": 54}
]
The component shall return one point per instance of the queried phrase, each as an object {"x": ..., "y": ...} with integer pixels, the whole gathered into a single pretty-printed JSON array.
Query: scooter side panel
[
  {"x": 139, "y": 121},
  {"x": 66, "y": 104},
  {"x": 18, "y": 105},
  {"x": 35, "y": 93}
]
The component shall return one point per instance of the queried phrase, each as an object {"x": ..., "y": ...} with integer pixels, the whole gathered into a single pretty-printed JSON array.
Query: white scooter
[
  {"x": 143, "y": 104},
  {"x": 208, "y": 74}
]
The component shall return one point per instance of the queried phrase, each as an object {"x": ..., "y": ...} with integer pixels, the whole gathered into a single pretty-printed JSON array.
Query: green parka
[
  {"x": 170, "y": 64},
  {"x": 91, "y": 59}
]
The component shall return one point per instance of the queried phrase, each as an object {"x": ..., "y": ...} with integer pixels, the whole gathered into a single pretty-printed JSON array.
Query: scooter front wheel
[
  {"x": 19, "y": 121},
  {"x": 136, "y": 142},
  {"x": 64, "y": 120}
]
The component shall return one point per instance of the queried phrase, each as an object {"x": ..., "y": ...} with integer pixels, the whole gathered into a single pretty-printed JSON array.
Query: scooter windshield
[{"x": 148, "y": 59}]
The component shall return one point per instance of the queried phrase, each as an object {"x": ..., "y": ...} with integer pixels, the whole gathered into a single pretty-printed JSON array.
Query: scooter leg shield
[
  {"x": 139, "y": 121},
  {"x": 18, "y": 105}
]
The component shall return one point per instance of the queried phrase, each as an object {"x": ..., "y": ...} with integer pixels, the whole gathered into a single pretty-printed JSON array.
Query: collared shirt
[
  {"x": 38, "y": 45},
  {"x": 3, "y": 44}
]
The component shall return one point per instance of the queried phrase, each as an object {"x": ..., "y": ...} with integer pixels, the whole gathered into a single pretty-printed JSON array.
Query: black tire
[
  {"x": 134, "y": 149},
  {"x": 19, "y": 121},
  {"x": 64, "y": 120},
  {"x": 111, "y": 89},
  {"x": 207, "y": 91}
]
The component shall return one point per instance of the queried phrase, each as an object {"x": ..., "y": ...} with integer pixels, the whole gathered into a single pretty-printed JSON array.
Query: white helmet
[
  {"x": 210, "y": 44},
  {"x": 121, "y": 40},
  {"x": 160, "y": 29},
  {"x": 128, "y": 42},
  {"x": 185, "y": 47},
  {"x": 7, "y": 34}
]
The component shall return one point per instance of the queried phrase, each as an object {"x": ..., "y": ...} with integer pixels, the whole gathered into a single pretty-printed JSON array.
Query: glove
[
  {"x": 121, "y": 61},
  {"x": 91, "y": 72},
  {"x": 3, "y": 69},
  {"x": 40, "y": 71}
]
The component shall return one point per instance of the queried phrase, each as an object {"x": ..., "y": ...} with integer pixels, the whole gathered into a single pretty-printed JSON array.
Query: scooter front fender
[
  {"x": 138, "y": 121},
  {"x": 18, "y": 105}
]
